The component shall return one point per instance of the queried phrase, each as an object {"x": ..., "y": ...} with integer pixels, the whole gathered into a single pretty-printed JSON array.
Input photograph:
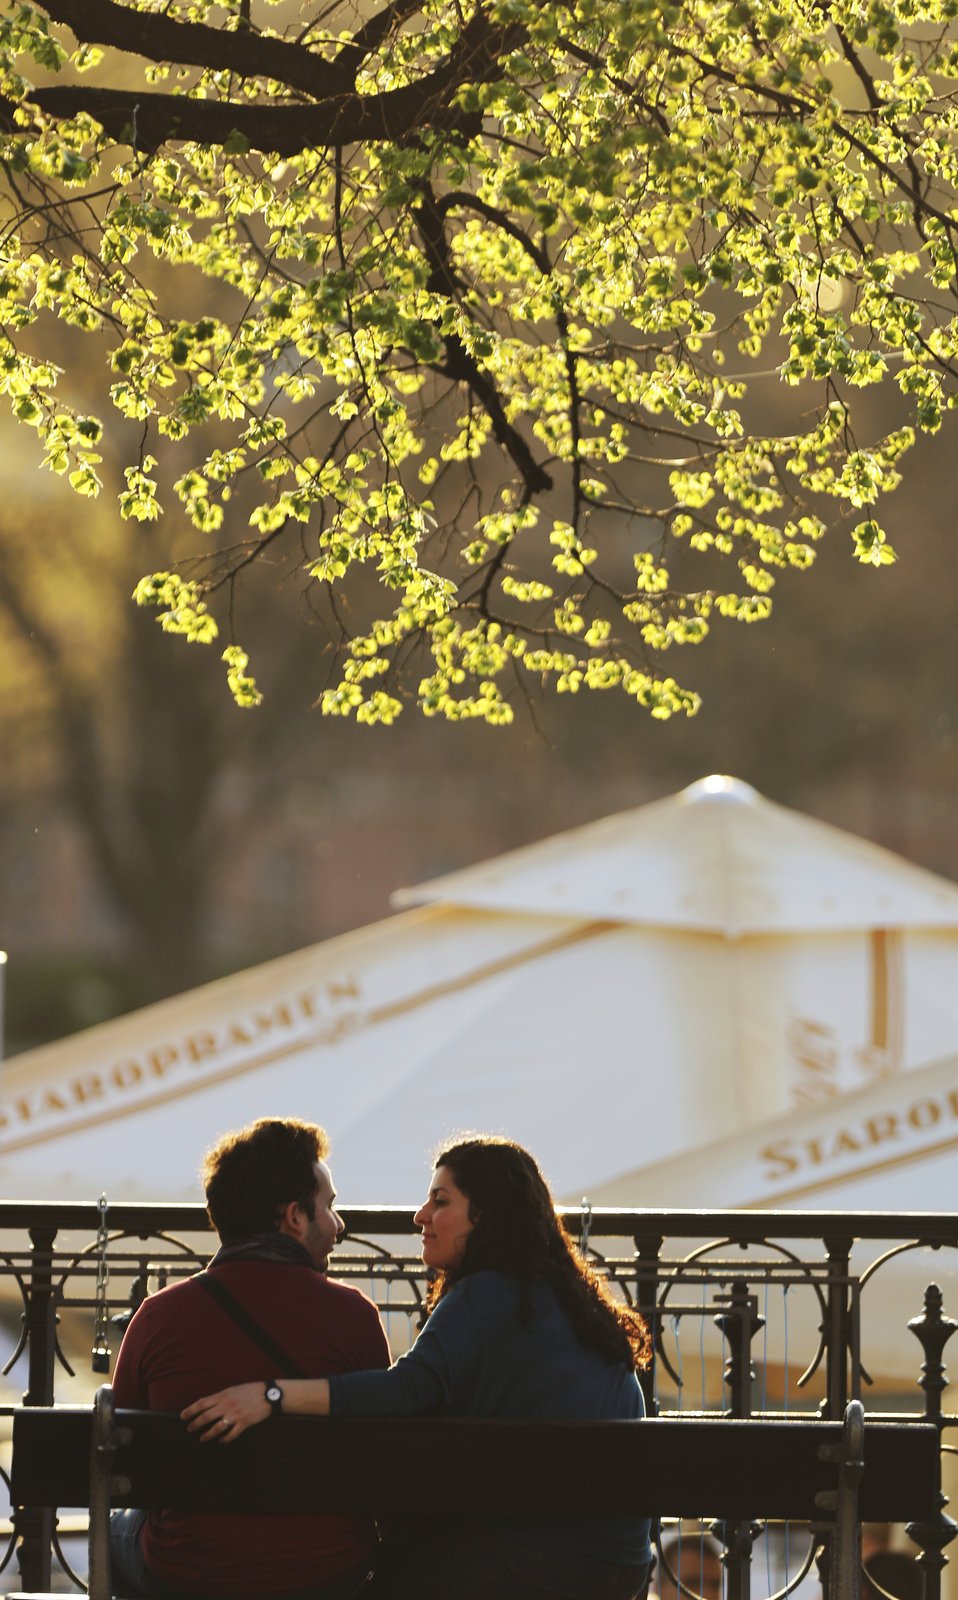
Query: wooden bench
[{"x": 828, "y": 1474}]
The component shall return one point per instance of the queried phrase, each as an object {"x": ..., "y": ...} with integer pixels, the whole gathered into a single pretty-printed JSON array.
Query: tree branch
[
  {"x": 366, "y": 41},
  {"x": 461, "y": 200},
  {"x": 460, "y": 364},
  {"x": 147, "y": 120},
  {"x": 159, "y": 37}
]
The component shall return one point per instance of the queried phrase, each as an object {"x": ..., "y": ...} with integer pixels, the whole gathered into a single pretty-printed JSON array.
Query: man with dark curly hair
[{"x": 264, "y": 1307}]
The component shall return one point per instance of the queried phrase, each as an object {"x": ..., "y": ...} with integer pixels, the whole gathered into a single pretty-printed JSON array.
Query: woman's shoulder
[{"x": 486, "y": 1291}]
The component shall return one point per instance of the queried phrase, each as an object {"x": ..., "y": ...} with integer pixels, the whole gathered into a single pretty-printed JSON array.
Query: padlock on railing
[{"x": 101, "y": 1354}]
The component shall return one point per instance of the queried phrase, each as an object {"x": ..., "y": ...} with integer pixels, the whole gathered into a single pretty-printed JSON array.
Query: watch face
[{"x": 274, "y": 1394}]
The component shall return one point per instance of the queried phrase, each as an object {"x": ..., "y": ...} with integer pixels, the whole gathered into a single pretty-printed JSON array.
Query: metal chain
[
  {"x": 100, "y": 1358},
  {"x": 585, "y": 1225}
]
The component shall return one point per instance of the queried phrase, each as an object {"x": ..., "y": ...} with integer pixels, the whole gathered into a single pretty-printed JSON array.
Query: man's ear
[{"x": 291, "y": 1219}]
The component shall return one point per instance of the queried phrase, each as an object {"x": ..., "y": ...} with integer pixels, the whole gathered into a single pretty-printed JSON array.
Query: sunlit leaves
[
  {"x": 241, "y": 684},
  {"x": 179, "y": 604},
  {"x": 513, "y": 375}
]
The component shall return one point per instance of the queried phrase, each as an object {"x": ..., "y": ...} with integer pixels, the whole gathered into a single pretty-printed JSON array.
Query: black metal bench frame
[{"x": 829, "y": 1475}]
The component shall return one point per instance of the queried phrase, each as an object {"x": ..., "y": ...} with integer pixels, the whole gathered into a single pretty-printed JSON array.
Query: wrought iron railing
[{"x": 752, "y": 1312}]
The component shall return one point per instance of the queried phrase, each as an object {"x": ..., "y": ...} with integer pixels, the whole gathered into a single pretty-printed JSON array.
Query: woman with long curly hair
[{"x": 518, "y": 1326}]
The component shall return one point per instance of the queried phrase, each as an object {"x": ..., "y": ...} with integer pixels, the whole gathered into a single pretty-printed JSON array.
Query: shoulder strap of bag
[{"x": 285, "y": 1366}]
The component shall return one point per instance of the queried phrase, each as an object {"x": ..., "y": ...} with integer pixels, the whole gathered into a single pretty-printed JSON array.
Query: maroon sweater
[{"x": 181, "y": 1345}]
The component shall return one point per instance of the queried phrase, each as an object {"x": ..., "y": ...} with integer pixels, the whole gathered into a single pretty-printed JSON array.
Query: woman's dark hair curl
[{"x": 516, "y": 1230}]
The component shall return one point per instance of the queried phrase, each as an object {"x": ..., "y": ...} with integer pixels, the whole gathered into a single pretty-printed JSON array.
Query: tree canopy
[{"x": 504, "y": 303}]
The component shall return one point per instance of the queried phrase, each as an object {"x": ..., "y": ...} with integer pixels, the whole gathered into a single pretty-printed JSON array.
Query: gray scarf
[{"x": 278, "y": 1247}]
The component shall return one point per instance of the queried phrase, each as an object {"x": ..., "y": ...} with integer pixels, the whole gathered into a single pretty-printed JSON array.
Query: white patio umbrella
[{"x": 635, "y": 988}]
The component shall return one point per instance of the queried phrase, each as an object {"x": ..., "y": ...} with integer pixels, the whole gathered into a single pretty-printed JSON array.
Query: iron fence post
[
  {"x": 835, "y": 1328},
  {"x": 34, "y": 1525},
  {"x": 739, "y": 1323},
  {"x": 648, "y": 1250},
  {"x": 933, "y": 1330}
]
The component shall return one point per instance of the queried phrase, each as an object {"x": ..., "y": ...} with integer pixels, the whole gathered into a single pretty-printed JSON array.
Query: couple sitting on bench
[{"x": 518, "y": 1327}]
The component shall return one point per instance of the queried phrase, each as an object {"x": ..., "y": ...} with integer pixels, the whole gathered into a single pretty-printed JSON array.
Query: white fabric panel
[
  {"x": 717, "y": 856},
  {"x": 878, "y": 1149},
  {"x": 322, "y": 1034}
]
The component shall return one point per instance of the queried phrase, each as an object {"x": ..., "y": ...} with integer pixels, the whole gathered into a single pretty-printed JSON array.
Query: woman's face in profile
[{"x": 445, "y": 1222}]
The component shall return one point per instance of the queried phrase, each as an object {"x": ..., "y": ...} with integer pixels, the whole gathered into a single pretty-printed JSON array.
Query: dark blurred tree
[
  {"x": 133, "y": 742},
  {"x": 120, "y": 733}
]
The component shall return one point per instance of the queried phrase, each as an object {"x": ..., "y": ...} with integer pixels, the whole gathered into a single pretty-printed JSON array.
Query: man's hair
[{"x": 250, "y": 1176}]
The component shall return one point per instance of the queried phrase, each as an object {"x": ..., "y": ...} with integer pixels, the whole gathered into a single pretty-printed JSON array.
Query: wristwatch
[{"x": 274, "y": 1394}]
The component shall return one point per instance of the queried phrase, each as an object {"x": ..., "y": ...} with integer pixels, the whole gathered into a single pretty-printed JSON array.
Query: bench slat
[{"x": 667, "y": 1467}]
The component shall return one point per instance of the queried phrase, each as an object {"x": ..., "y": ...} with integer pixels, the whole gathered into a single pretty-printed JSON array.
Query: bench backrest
[
  {"x": 828, "y": 1474},
  {"x": 670, "y": 1467}
]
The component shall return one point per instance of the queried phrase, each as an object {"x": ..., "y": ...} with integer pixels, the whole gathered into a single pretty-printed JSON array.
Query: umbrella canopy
[
  {"x": 638, "y": 987},
  {"x": 890, "y": 1147},
  {"x": 716, "y": 858}
]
